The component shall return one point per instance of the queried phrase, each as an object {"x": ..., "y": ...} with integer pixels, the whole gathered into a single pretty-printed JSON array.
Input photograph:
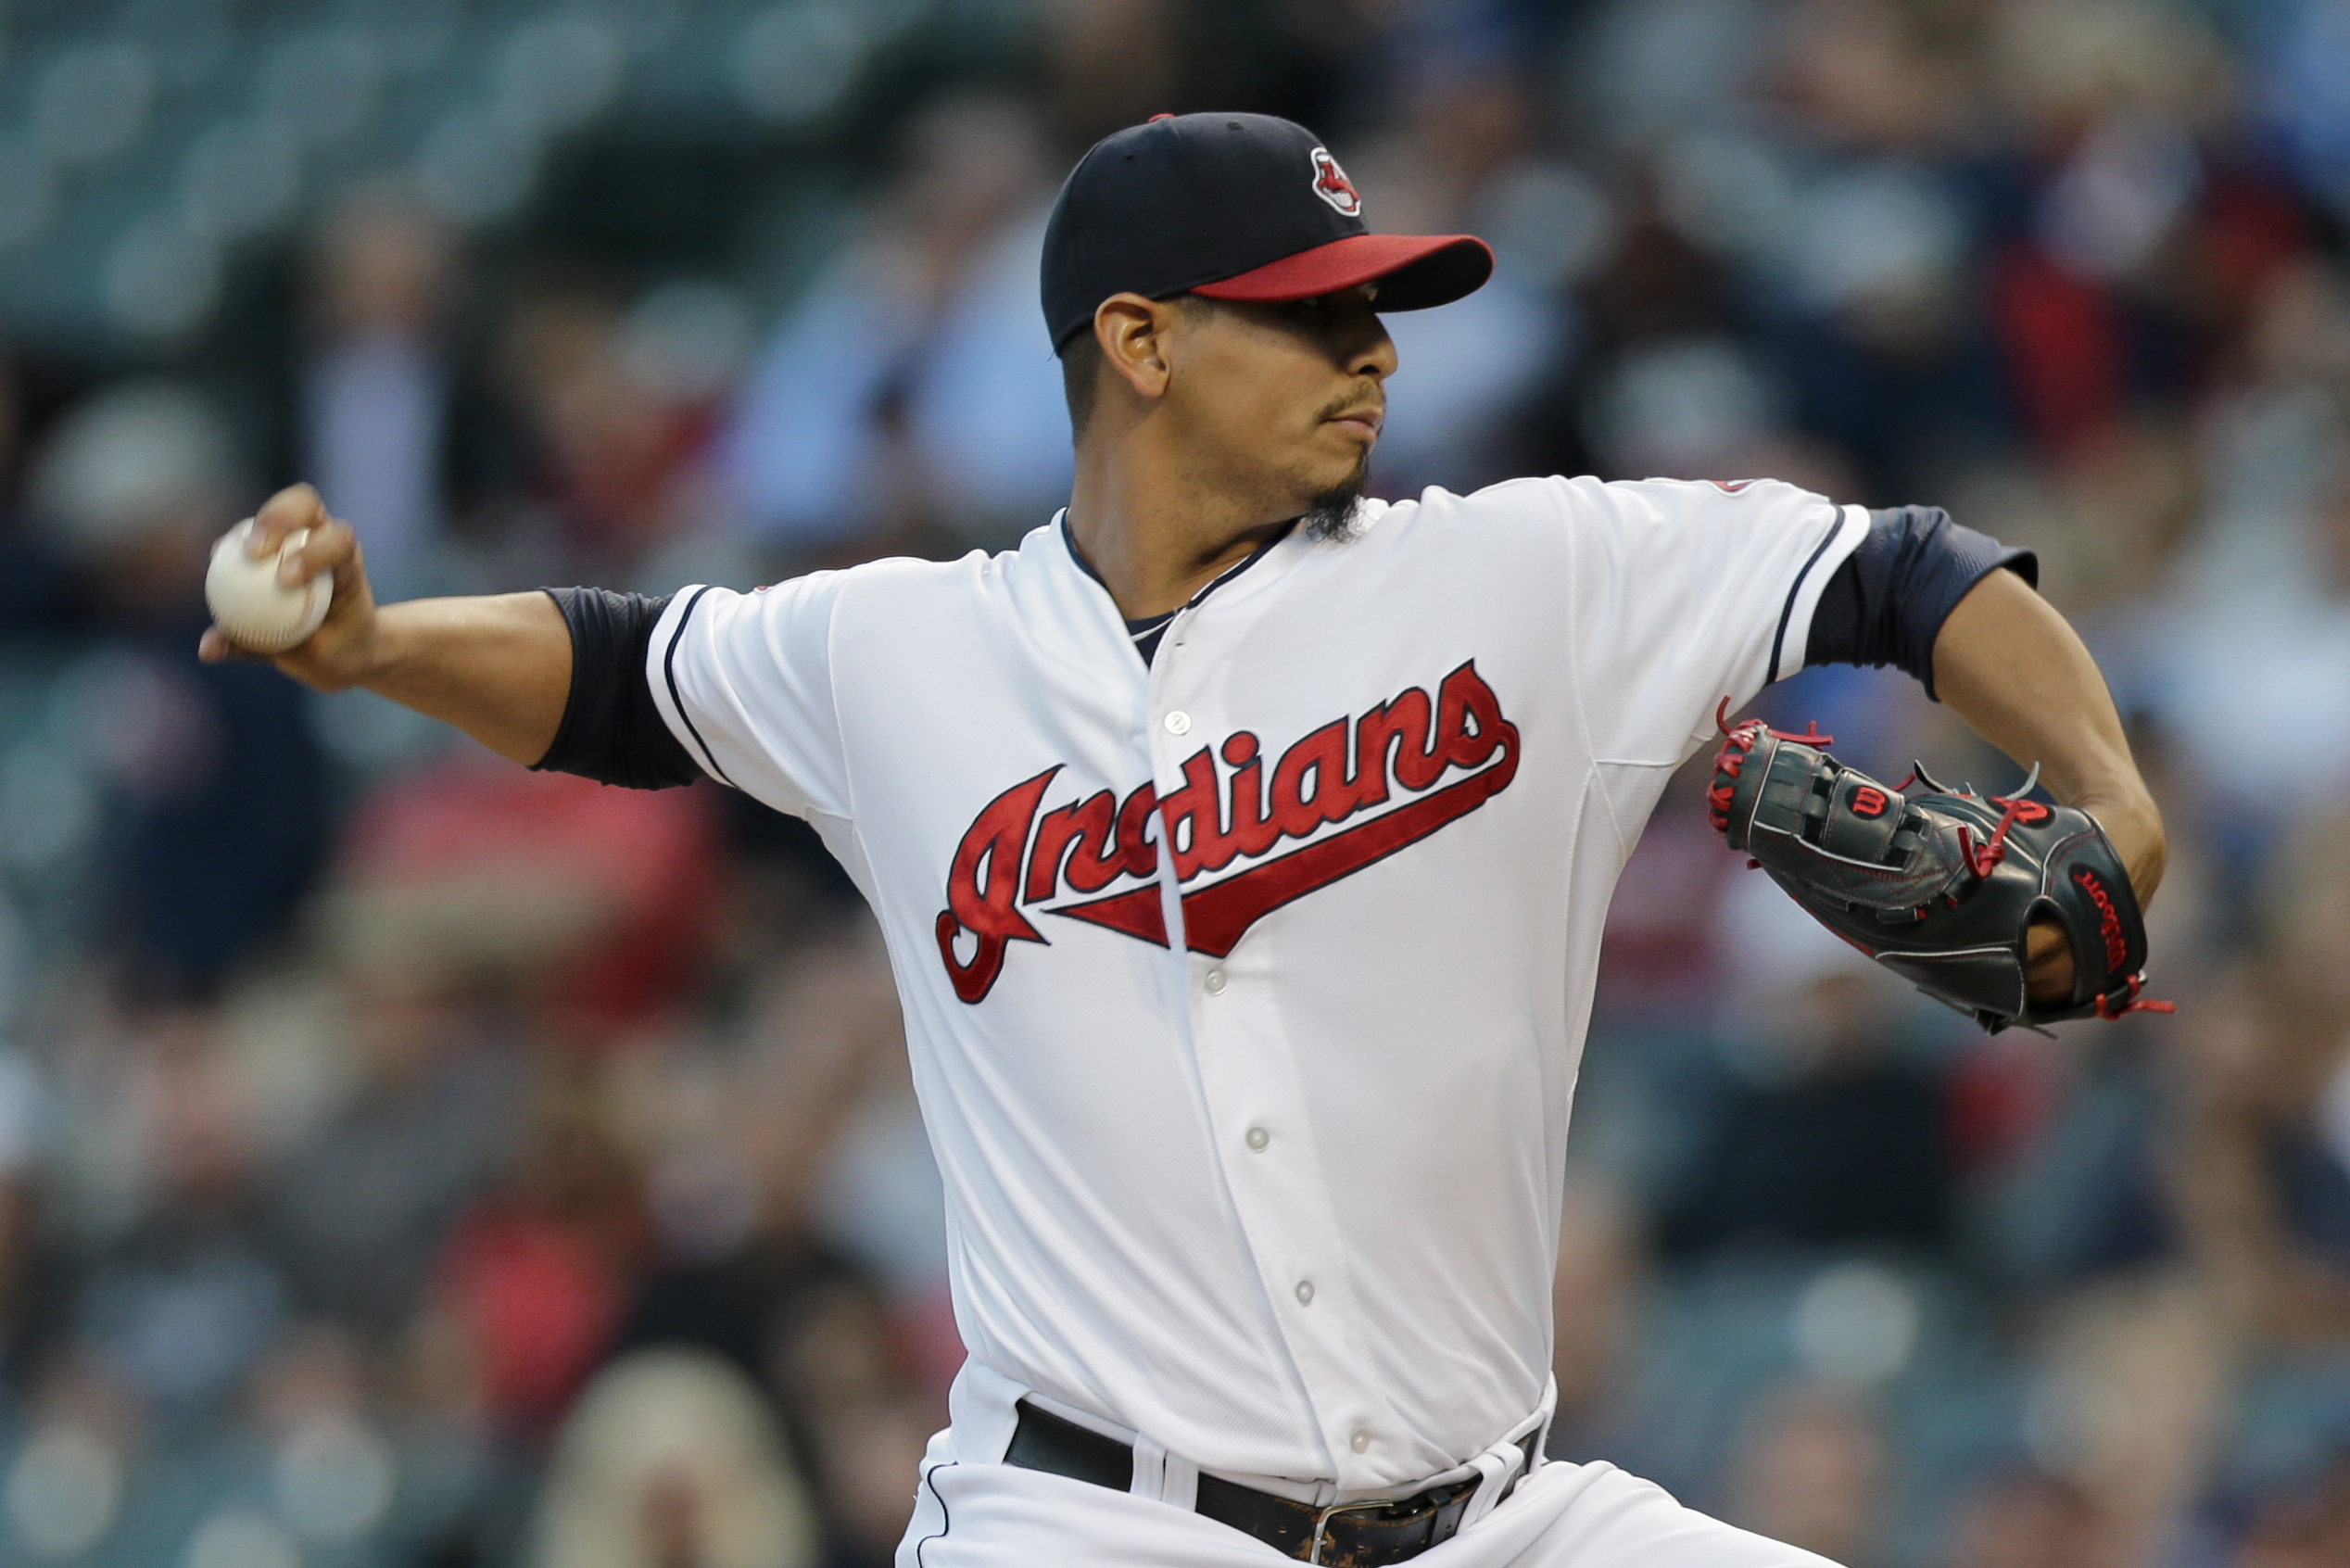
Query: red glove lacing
[
  {"x": 1730, "y": 761},
  {"x": 2136, "y": 983},
  {"x": 1984, "y": 858}
]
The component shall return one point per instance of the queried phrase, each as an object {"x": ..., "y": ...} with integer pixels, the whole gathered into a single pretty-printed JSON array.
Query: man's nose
[{"x": 1375, "y": 354}]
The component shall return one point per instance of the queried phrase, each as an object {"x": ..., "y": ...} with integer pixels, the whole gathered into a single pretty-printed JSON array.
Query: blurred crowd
[{"x": 407, "y": 1159}]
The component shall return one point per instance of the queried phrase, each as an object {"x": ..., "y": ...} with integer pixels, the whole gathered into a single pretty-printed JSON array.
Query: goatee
[{"x": 1332, "y": 515}]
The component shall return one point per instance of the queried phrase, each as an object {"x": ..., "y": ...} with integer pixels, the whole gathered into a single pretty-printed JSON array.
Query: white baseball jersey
[{"x": 1246, "y": 990}]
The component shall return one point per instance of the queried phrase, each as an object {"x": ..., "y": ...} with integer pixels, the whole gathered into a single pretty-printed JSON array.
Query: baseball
[{"x": 255, "y": 610}]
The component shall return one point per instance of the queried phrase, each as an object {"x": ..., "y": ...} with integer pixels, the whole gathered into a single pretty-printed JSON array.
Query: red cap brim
[{"x": 1414, "y": 271}]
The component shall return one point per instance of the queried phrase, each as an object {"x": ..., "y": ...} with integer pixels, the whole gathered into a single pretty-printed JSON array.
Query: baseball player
[{"x": 1243, "y": 847}]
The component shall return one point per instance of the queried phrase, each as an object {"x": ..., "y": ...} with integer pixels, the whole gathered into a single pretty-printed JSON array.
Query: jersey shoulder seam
[
  {"x": 1559, "y": 495},
  {"x": 848, "y": 812}
]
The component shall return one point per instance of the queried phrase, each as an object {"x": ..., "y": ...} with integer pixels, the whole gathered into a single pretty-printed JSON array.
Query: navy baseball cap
[{"x": 1231, "y": 207}]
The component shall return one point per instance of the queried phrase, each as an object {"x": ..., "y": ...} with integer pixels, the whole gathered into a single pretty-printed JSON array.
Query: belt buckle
[{"x": 1323, "y": 1516}]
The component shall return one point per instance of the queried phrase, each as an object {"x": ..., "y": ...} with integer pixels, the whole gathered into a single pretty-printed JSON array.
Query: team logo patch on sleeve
[
  {"x": 1349, "y": 795},
  {"x": 1332, "y": 184}
]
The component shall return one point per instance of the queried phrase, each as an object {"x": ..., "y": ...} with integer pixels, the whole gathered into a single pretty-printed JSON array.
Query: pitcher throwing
[{"x": 1243, "y": 847}]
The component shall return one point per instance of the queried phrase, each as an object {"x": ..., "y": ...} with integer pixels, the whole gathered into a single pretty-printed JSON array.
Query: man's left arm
[
  {"x": 1960, "y": 613},
  {"x": 2009, "y": 664}
]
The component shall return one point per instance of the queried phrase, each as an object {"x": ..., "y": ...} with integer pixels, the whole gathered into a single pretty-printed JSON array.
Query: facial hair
[{"x": 1331, "y": 515}]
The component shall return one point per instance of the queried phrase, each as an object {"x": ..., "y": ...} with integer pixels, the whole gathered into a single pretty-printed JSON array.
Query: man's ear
[{"x": 1131, "y": 331}]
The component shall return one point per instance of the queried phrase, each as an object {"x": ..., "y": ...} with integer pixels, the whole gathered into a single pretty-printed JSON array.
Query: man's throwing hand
[{"x": 343, "y": 651}]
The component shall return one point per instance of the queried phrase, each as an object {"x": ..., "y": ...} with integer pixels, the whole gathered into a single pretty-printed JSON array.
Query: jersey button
[
  {"x": 1360, "y": 1441},
  {"x": 1257, "y": 1139},
  {"x": 1178, "y": 723},
  {"x": 1216, "y": 982},
  {"x": 1305, "y": 1293}
]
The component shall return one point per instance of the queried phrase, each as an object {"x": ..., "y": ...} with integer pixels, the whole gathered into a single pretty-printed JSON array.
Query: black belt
[{"x": 1344, "y": 1535}]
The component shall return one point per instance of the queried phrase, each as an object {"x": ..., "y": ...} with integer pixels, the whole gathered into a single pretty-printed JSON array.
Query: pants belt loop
[
  {"x": 1541, "y": 1438},
  {"x": 1150, "y": 1469},
  {"x": 1501, "y": 1467},
  {"x": 1179, "y": 1485},
  {"x": 1497, "y": 1467}
]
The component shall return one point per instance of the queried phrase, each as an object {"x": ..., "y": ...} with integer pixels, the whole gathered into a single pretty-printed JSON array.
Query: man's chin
[{"x": 1331, "y": 513}]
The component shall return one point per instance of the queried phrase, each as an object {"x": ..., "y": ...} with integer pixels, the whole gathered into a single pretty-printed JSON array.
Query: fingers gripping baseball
[{"x": 337, "y": 653}]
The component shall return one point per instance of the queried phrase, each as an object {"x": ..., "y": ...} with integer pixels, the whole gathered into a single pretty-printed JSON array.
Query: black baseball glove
[{"x": 1940, "y": 886}]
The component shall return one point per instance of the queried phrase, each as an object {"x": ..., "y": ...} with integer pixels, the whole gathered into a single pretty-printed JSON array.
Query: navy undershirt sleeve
[
  {"x": 610, "y": 732},
  {"x": 1886, "y": 603}
]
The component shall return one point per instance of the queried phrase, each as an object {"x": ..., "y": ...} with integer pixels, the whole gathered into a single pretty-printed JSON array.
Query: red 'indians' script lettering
[{"x": 1014, "y": 854}]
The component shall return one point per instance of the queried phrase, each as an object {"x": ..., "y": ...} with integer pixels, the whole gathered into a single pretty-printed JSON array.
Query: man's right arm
[
  {"x": 641, "y": 692},
  {"x": 498, "y": 667}
]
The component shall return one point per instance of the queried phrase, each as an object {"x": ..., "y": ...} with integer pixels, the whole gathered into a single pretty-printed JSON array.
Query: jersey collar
[{"x": 1145, "y": 634}]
